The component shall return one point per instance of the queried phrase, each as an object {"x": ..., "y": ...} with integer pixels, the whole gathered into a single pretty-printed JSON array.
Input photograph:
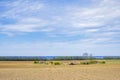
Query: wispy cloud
[
  {"x": 99, "y": 21},
  {"x": 25, "y": 25}
]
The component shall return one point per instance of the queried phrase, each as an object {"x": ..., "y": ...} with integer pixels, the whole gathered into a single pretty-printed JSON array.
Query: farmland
[{"x": 27, "y": 70}]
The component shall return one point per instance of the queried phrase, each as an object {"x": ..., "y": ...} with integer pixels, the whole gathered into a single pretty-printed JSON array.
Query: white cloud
[
  {"x": 86, "y": 24},
  {"x": 25, "y": 25},
  {"x": 21, "y": 8},
  {"x": 72, "y": 21}
]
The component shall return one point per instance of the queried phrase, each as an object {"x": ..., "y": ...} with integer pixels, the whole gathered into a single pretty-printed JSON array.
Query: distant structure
[{"x": 87, "y": 56}]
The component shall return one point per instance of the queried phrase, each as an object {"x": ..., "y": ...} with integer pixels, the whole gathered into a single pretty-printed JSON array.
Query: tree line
[{"x": 85, "y": 56}]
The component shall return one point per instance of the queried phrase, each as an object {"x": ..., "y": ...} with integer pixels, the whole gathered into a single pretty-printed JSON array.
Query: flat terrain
[{"x": 27, "y": 70}]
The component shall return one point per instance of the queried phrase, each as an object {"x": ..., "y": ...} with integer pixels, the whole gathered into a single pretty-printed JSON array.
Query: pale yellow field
[{"x": 26, "y": 70}]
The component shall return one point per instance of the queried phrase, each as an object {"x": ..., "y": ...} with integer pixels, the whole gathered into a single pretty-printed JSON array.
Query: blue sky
[{"x": 59, "y": 27}]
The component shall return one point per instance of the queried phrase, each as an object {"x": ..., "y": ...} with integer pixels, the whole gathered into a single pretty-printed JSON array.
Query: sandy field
[{"x": 27, "y": 70}]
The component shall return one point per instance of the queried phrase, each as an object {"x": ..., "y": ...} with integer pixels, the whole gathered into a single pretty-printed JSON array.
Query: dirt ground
[{"x": 27, "y": 70}]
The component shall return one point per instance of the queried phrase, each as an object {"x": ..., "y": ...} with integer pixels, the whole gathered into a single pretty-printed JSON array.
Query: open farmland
[{"x": 27, "y": 70}]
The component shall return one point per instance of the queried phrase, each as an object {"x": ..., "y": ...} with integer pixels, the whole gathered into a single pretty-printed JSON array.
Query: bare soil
[{"x": 27, "y": 70}]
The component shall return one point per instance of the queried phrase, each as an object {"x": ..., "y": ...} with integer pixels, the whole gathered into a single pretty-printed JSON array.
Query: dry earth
[{"x": 23, "y": 70}]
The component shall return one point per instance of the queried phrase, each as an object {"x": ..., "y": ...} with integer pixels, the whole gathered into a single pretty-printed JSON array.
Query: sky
[{"x": 59, "y": 27}]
